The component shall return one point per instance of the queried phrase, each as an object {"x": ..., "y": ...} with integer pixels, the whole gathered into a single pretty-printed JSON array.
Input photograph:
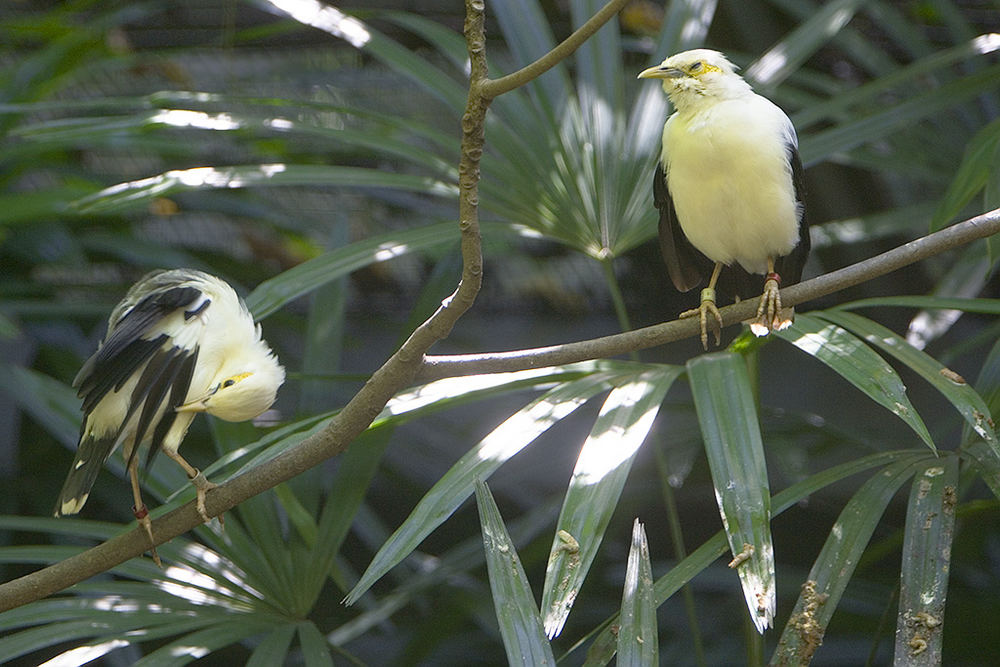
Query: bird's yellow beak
[
  {"x": 193, "y": 406},
  {"x": 660, "y": 72},
  {"x": 198, "y": 404}
]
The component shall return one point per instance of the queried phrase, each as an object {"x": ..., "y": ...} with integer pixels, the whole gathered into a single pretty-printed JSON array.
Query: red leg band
[{"x": 774, "y": 276}]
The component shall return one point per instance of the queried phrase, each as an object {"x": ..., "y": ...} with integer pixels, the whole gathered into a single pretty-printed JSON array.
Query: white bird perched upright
[
  {"x": 729, "y": 188},
  {"x": 180, "y": 342}
]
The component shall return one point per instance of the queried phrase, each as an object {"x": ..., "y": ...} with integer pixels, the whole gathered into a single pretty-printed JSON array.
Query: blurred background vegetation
[{"x": 310, "y": 159}]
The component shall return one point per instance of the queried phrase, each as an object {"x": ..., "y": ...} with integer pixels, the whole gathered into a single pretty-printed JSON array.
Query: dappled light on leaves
[
  {"x": 503, "y": 442},
  {"x": 196, "y": 178},
  {"x": 606, "y": 450},
  {"x": 387, "y": 251},
  {"x": 189, "y": 651},
  {"x": 440, "y": 390},
  {"x": 987, "y": 43},
  {"x": 84, "y": 654},
  {"x": 326, "y": 18},
  {"x": 201, "y": 120},
  {"x": 198, "y": 587},
  {"x": 196, "y": 119}
]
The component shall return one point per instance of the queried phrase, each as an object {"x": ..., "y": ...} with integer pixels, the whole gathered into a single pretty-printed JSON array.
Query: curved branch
[
  {"x": 493, "y": 87},
  {"x": 440, "y": 366}
]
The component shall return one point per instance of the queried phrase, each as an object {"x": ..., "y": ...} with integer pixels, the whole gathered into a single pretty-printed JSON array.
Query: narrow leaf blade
[
  {"x": 601, "y": 469},
  {"x": 131, "y": 194},
  {"x": 637, "y": 640},
  {"x": 723, "y": 399},
  {"x": 927, "y": 540},
  {"x": 520, "y": 623}
]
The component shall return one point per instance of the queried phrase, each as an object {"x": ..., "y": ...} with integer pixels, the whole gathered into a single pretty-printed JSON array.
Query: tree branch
[
  {"x": 440, "y": 366},
  {"x": 493, "y": 87}
]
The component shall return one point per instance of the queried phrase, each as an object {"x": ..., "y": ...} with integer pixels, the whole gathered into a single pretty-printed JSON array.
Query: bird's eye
[
  {"x": 229, "y": 382},
  {"x": 695, "y": 66}
]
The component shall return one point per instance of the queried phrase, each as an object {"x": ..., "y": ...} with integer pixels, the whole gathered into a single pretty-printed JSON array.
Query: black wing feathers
[
  {"x": 685, "y": 265},
  {"x": 790, "y": 266},
  {"x": 179, "y": 381},
  {"x": 152, "y": 389},
  {"x": 125, "y": 350}
]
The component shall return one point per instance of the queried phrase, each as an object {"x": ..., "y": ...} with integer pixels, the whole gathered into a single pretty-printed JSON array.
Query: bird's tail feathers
[{"x": 89, "y": 460}]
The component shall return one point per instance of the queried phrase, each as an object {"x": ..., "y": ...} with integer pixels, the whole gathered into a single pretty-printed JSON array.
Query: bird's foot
[
  {"x": 142, "y": 516},
  {"x": 707, "y": 307},
  {"x": 202, "y": 487},
  {"x": 770, "y": 315}
]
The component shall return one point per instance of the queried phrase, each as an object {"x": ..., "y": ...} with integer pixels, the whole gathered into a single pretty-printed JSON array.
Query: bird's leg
[
  {"x": 201, "y": 484},
  {"x": 139, "y": 509},
  {"x": 769, "y": 313},
  {"x": 707, "y": 306}
]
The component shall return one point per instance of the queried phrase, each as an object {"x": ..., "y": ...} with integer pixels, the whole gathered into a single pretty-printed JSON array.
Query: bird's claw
[
  {"x": 770, "y": 315},
  {"x": 707, "y": 306},
  {"x": 202, "y": 487},
  {"x": 142, "y": 516}
]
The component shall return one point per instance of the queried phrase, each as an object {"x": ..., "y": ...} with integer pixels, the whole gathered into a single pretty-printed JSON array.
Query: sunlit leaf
[
  {"x": 131, "y": 194},
  {"x": 520, "y": 623},
  {"x": 926, "y": 563},
  {"x": 275, "y": 292},
  {"x": 966, "y": 273},
  {"x": 801, "y": 43},
  {"x": 637, "y": 636},
  {"x": 857, "y": 363},
  {"x": 727, "y": 412},
  {"x": 598, "y": 479},
  {"x": 363, "y": 37}
]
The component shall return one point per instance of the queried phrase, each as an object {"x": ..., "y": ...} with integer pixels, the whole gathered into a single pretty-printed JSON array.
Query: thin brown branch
[
  {"x": 493, "y": 87},
  {"x": 440, "y": 366}
]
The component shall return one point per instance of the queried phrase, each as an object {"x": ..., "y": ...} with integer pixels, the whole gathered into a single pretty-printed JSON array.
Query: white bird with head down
[
  {"x": 180, "y": 342},
  {"x": 729, "y": 188}
]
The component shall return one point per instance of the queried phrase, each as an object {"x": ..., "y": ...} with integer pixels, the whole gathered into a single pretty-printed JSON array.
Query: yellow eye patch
[
  {"x": 229, "y": 382},
  {"x": 702, "y": 67}
]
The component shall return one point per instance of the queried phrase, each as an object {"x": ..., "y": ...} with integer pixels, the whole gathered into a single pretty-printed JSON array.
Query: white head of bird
[
  {"x": 692, "y": 76},
  {"x": 244, "y": 387}
]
